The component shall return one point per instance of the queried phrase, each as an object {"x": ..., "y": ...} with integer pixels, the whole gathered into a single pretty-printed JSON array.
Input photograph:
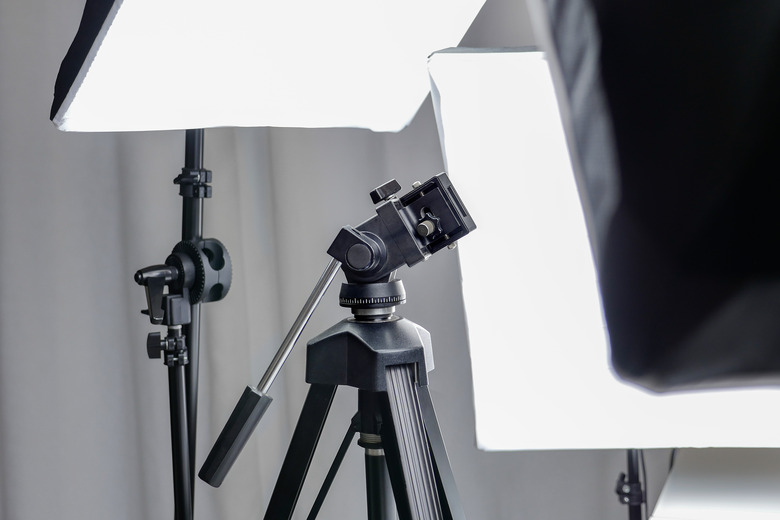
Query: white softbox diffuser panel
[
  {"x": 538, "y": 343},
  {"x": 174, "y": 64}
]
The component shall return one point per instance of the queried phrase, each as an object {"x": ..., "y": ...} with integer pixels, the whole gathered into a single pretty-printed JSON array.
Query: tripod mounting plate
[{"x": 356, "y": 353}]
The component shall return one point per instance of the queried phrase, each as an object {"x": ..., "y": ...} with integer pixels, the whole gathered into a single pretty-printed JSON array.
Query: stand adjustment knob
[
  {"x": 173, "y": 345},
  {"x": 154, "y": 345}
]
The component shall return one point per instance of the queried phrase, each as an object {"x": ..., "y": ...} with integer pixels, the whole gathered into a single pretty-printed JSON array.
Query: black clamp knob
[
  {"x": 629, "y": 493},
  {"x": 385, "y": 191},
  {"x": 193, "y": 183},
  {"x": 174, "y": 346},
  {"x": 361, "y": 253}
]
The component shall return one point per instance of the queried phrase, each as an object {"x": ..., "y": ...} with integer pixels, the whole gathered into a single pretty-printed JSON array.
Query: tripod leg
[
  {"x": 406, "y": 446},
  {"x": 301, "y": 451},
  {"x": 448, "y": 492},
  {"x": 334, "y": 468}
]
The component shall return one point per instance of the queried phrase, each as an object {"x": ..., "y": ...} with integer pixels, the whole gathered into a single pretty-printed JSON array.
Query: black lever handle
[{"x": 154, "y": 279}]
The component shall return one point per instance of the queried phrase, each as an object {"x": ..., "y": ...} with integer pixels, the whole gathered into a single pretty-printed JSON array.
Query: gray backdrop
[{"x": 84, "y": 428}]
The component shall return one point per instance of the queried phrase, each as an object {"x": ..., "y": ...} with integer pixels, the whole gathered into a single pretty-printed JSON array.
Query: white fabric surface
[
  {"x": 84, "y": 427},
  {"x": 722, "y": 484}
]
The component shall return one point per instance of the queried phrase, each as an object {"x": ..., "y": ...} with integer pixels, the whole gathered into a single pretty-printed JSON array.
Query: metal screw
[
  {"x": 425, "y": 228},
  {"x": 416, "y": 184}
]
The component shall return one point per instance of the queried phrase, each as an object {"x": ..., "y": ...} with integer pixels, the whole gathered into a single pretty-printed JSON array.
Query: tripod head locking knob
[
  {"x": 385, "y": 191},
  {"x": 364, "y": 251}
]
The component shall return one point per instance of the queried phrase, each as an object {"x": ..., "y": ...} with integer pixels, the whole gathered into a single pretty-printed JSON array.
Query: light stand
[
  {"x": 629, "y": 487},
  {"x": 198, "y": 270},
  {"x": 192, "y": 230},
  {"x": 387, "y": 358}
]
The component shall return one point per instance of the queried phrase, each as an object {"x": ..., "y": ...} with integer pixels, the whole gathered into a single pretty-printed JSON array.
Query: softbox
[{"x": 673, "y": 116}]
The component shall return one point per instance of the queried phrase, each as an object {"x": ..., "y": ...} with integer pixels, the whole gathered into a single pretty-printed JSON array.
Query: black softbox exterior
[{"x": 675, "y": 124}]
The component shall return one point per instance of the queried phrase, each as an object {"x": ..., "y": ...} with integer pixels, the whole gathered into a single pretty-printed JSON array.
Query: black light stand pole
[
  {"x": 629, "y": 487},
  {"x": 192, "y": 231},
  {"x": 197, "y": 271},
  {"x": 172, "y": 310},
  {"x": 182, "y": 482},
  {"x": 634, "y": 508}
]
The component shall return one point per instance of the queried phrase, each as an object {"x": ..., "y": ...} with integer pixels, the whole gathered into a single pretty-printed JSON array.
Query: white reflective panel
[
  {"x": 538, "y": 344},
  {"x": 168, "y": 64},
  {"x": 721, "y": 484}
]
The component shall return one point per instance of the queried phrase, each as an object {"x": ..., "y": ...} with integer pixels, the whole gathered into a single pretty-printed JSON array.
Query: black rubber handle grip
[{"x": 234, "y": 435}]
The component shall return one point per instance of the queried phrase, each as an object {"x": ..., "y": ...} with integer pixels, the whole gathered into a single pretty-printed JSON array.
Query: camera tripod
[{"x": 385, "y": 357}]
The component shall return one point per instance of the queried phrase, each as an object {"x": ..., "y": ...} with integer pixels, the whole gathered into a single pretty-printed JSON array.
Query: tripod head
[{"x": 405, "y": 230}]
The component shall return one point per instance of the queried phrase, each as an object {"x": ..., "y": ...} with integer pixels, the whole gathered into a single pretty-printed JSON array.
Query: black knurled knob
[
  {"x": 385, "y": 191},
  {"x": 154, "y": 345}
]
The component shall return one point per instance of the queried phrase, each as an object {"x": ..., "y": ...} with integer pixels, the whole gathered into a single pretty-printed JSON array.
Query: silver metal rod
[{"x": 295, "y": 332}]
